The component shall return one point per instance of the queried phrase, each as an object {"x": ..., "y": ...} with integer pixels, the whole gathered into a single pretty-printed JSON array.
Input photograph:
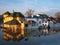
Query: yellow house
[{"x": 13, "y": 23}]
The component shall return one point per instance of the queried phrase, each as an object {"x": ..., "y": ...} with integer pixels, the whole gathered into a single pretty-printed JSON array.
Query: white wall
[{"x": 39, "y": 21}]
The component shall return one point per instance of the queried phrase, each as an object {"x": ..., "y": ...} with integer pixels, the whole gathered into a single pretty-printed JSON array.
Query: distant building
[{"x": 40, "y": 19}]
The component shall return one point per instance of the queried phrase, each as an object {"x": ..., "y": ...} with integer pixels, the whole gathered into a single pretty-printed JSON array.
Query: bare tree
[
  {"x": 57, "y": 15},
  {"x": 29, "y": 12}
]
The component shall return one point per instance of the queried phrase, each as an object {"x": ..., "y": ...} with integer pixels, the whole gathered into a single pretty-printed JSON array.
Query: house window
[
  {"x": 43, "y": 24},
  {"x": 39, "y": 21},
  {"x": 45, "y": 21}
]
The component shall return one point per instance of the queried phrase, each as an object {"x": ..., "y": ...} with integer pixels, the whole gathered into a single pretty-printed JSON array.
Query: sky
[{"x": 49, "y": 7}]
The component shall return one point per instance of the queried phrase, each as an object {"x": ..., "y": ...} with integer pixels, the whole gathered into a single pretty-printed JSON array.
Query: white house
[
  {"x": 43, "y": 22},
  {"x": 39, "y": 19}
]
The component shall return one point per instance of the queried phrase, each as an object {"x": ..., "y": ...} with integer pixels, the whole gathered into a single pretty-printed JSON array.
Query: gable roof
[
  {"x": 7, "y": 13},
  {"x": 18, "y": 14}
]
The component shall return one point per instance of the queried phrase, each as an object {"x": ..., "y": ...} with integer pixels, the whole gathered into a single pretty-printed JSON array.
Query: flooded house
[{"x": 14, "y": 26}]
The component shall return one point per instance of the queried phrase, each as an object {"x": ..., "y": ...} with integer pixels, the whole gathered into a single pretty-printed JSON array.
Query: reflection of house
[
  {"x": 40, "y": 19},
  {"x": 14, "y": 22}
]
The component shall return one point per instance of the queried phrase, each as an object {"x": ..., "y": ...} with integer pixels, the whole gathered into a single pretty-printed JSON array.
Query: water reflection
[
  {"x": 39, "y": 32},
  {"x": 14, "y": 32},
  {"x": 9, "y": 35}
]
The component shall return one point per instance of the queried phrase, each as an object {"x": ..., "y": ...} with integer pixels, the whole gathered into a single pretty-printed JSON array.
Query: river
[{"x": 35, "y": 37}]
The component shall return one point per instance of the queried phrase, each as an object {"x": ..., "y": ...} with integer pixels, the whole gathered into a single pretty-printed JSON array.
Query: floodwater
[{"x": 35, "y": 37}]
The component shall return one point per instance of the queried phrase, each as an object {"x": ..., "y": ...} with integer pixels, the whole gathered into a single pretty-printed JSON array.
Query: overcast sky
[{"x": 41, "y": 6}]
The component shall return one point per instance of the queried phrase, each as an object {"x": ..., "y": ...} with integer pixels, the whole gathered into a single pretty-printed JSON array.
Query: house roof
[
  {"x": 40, "y": 16},
  {"x": 18, "y": 14},
  {"x": 14, "y": 14},
  {"x": 7, "y": 13},
  {"x": 35, "y": 16},
  {"x": 43, "y": 16}
]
